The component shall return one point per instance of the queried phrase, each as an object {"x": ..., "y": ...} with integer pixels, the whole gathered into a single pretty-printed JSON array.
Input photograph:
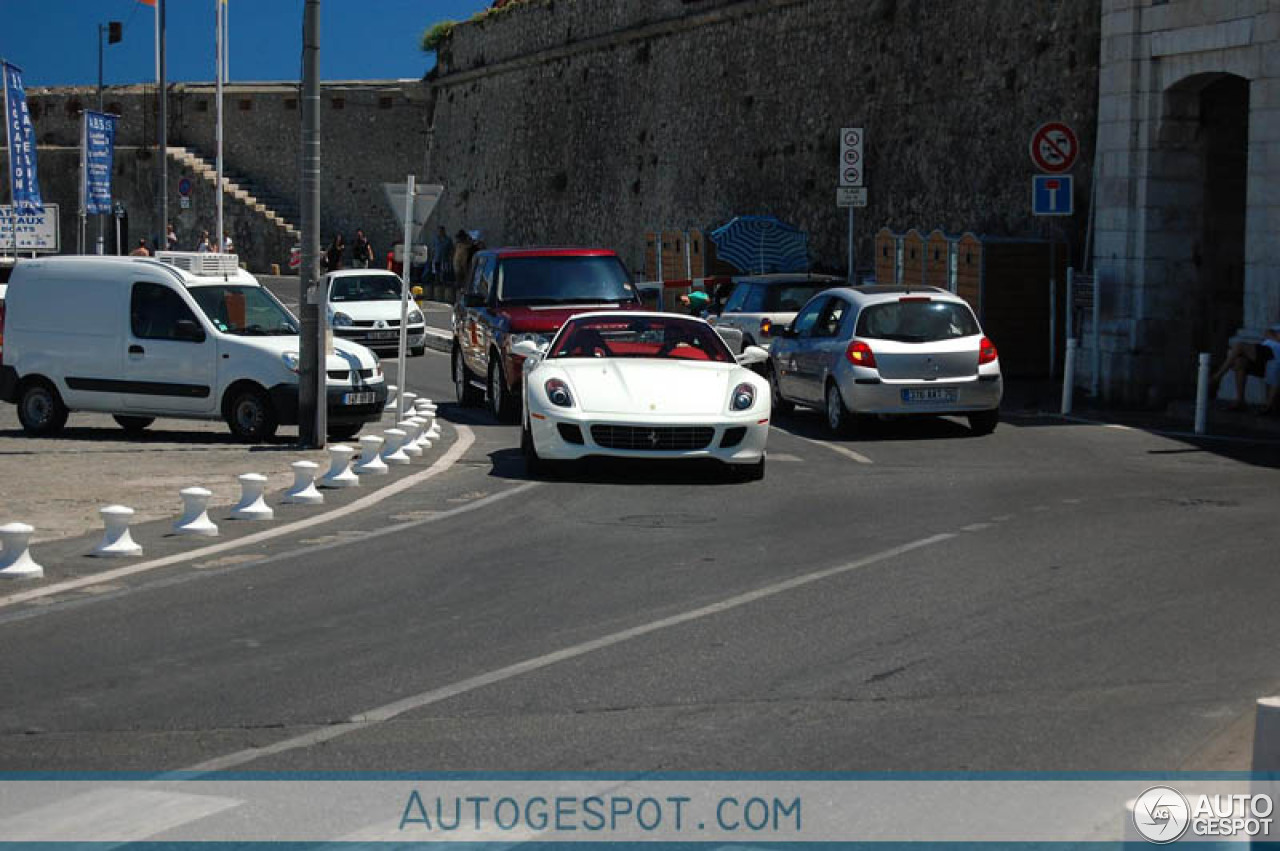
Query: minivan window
[
  {"x": 155, "y": 311},
  {"x": 247, "y": 311},
  {"x": 563, "y": 280},
  {"x": 917, "y": 321}
]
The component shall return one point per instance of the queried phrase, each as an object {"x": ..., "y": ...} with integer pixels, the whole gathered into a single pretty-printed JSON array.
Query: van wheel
[
  {"x": 133, "y": 425},
  {"x": 40, "y": 408},
  {"x": 250, "y": 415}
]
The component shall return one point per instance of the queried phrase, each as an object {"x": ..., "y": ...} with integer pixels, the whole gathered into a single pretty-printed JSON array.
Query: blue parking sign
[{"x": 1051, "y": 195}]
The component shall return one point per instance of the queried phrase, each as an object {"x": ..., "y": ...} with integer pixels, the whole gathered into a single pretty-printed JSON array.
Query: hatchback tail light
[
  {"x": 860, "y": 354},
  {"x": 986, "y": 351}
]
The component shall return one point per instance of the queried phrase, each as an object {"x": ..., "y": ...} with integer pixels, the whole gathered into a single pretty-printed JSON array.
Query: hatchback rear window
[{"x": 917, "y": 321}]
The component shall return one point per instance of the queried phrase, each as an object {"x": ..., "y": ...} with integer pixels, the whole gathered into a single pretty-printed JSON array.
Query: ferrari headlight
[
  {"x": 744, "y": 396},
  {"x": 558, "y": 393},
  {"x": 341, "y": 320}
]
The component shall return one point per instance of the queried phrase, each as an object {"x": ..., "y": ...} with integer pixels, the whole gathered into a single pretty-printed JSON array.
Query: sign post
[
  {"x": 413, "y": 205},
  {"x": 1054, "y": 149},
  {"x": 850, "y": 191}
]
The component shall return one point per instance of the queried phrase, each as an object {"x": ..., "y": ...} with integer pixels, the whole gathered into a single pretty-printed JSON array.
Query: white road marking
[
  {"x": 834, "y": 447},
  {"x": 364, "y": 720},
  {"x": 126, "y": 815},
  {"x": 466, "y": 437},
  {"x": 975, "y": 527}
]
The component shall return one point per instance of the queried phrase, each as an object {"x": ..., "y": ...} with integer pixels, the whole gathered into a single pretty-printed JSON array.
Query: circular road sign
[
  {"x": 184, "y": 187},
  {"x": 852, "y": 138},
  {"x": 1054, "y": 147}
]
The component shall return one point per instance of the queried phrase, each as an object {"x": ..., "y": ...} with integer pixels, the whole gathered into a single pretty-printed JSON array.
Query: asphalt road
[{"x": 1051, "y": 597}]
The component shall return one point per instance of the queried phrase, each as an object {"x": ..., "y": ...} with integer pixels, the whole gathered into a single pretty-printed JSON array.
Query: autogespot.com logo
[{"x": 1161, "y": 814}]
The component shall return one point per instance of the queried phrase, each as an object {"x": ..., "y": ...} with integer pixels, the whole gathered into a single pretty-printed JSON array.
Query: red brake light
[
  {"x": 986, "y": 351},
  {"x": 860, "y": 354},
  {"x": 766, "y": 327}
]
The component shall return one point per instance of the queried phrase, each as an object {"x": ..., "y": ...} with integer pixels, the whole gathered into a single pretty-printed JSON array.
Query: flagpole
[
  {"x": 217, "y": 8},
  {"x": 164, "y": 128}
]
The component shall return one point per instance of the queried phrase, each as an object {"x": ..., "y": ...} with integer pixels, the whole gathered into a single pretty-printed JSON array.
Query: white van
[{"x": 179, "y": 335}]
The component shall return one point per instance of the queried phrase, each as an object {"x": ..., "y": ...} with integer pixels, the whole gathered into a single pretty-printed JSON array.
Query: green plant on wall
[{"x": 436, "y": 35}]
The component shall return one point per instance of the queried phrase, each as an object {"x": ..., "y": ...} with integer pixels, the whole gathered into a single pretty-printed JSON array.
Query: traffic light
[{"x": 115, "y": 32}]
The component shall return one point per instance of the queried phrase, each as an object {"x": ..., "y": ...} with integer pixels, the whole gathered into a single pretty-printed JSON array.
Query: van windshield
[{"x": 247, "y": 311}]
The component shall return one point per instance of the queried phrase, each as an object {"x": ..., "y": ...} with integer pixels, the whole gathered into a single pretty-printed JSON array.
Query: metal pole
[
  {"x": 98, "y": 217},
  {"x": 311, "y": 379},
  {"x": 217, "y": 4},
  {"x": 1097, "y": 336},
  {"x": 1202, "y": 393},
  {"x": 1069, "y": 377},
  {"x": 83, "y": 165},
  {"x": 406, "y": 269},
  {"x": 851, "y": 257},
  {"x": 1053, "y": 307},
  {"x": 1071, "y": 303},
  {"x": 164, "y": 126}
]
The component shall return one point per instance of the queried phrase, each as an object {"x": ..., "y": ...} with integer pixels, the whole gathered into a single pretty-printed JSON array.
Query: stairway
[{"x": 280, "y": 212}]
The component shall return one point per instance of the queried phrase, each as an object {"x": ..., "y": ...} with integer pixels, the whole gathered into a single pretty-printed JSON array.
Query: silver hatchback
[{"x": 887, "y": 350}]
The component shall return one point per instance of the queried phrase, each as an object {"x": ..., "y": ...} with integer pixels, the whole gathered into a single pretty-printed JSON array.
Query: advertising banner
[
  {"x": 24, "y": 186},
  {"x": 99, "y": 152},
  {"x": 29, "y": 233}
]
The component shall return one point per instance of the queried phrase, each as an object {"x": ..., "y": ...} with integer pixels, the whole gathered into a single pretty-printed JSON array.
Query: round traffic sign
[
  {"x": 1054, "y": 147},
  {"x": 851, "y": 176},
  {"x": 852, "y": 138},
  {"x": 184, "y": 187},
  {"x": 851, "y": 156}
]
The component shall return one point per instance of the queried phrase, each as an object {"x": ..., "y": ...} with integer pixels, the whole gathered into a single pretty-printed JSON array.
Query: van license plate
[
  {"x": 358, "y": 398},
  {"x": 383, "y": 335},
  {"x": 932, "y": 394}
]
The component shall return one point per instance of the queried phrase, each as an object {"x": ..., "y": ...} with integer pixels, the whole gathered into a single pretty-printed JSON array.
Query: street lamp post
[{"x": 114, "y": 32}]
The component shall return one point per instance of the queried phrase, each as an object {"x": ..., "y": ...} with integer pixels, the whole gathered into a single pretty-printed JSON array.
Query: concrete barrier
[
  {"x": 15, "y": 553},
  {"x": 252, "y": 504},
  {"x": 304, "y": 490},
  {"x": 116, "y": 540},
  {"x": 392, "y": 451},
  {"x": 340, "y": 474},
  {"x": 1266, "y": 735},
  {"x": 370, "y": 464},
  {"x": 195, "y": 513}
]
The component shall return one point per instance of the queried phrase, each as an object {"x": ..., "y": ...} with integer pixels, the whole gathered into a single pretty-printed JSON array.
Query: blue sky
[{"x": 55, "y": 41}]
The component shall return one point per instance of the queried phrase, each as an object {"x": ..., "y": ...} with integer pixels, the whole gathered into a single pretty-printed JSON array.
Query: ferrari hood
[{"x": 649, "y": 387}]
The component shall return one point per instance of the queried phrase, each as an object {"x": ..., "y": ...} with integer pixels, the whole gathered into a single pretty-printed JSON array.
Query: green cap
[{"x": 697, "y": 298}]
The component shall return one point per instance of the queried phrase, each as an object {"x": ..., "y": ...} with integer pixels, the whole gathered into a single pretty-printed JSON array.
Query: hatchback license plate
[
  {"x": 383, "y": 335},
  {"x": 359, "y": 398},
  {"x": 932, "y": 394}
]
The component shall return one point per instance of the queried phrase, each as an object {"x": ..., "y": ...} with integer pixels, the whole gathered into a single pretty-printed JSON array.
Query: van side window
[{"x": 156, "y": 310}]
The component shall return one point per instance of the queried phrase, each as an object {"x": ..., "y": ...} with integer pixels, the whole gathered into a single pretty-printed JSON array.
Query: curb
[{"x": 439, "y": 340}]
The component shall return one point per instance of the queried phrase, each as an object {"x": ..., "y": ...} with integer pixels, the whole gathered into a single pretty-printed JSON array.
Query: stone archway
[{"x": 1197, "y": 209}]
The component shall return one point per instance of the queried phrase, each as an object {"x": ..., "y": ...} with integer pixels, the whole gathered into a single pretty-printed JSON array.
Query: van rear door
[{"x": 170, "y": 355}]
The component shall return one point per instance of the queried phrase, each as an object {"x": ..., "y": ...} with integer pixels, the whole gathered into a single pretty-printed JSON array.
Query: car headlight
[
  {"x": 744, "y": 396},
  {"x": 341, "y": 320},
  {"x": 290, "y": 360},
  {"x": 536, "y": 339},
  {"x": 558, "y": 393},
  {"x": 415, "y": 317}
]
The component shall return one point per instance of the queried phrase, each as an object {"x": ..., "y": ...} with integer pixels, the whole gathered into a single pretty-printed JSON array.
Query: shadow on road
[
  {"x": 813, "y": 426},
  {"x": 186, "y": 440},
  {"x": 510, "y": 464}
]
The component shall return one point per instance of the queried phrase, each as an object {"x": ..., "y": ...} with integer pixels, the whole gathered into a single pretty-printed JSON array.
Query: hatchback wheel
[
  {"x": 984, "y": 422},
  {"x": 780, "y": 405},
  {"x": 839, "y": 420}
]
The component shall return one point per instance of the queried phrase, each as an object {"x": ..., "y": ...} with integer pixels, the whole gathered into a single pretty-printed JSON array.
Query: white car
[
  {"x": 643, "y": 385},
  {"x": 364, "y": 307}
]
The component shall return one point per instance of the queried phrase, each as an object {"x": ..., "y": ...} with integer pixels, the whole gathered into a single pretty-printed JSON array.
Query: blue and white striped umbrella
[{"x": 761, "y": 244}]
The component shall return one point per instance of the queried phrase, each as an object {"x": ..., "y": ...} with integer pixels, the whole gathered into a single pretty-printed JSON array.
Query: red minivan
[{"x": 516, "y": 294}]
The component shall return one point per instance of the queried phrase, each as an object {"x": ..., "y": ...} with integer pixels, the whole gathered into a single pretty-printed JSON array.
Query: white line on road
[
  {"x": 466, "y": 437},
  {"x": 364, "y": 720},
  {"x": 834, "y": 447}
]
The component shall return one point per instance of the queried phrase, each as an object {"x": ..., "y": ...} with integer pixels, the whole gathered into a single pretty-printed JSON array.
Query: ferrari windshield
[
  {"x": 563, "y": 279},
  {"x": 654, "y": 337},
  {"x": 248, "y": 311}
]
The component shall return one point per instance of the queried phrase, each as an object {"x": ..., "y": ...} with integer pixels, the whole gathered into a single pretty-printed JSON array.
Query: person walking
[
  {"x": 361, "y": 251},
  {"x": 203, "y": 245},
  {"x": 170, "y": 238},
  {"x": 463, "y": 249},
  {"x": 141, "y": 250},
  {"x": 333, "y": 257}
]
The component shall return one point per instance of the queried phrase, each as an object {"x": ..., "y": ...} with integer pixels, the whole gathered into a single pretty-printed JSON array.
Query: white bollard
[
  {"x": 370, "y": 464},
  {"x": 1202, "y": 394},
  {"x": 1069, "y": 378},
  {"x": 116, "y": 540},
  {"x": 195, "y": 513},
  {"x": 1266, "y": 735},
  {"x": 409, "y": 400},
  {"x": 412, "y": 428},
  {"x": 392, "y": 453},
  {"x": 391, "y": 398},
  {"x": 252, "y": 505},
  {"x": 419, "y": 437},
  {"x": 433, "y": 433},
  {"x": 304, "y": 490},
  {"x": 340, "y": 475},
  {"x": 15, "y": 553},
  {"x": 426, "y": 406}
]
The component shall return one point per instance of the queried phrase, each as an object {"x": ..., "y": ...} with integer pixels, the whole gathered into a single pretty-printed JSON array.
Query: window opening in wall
[{"x": 338, "y": 103}]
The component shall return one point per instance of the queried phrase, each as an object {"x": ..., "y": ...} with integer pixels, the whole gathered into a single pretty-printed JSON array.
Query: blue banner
[
  {"x": 23, "y": 184},
  {"x": 99, "y": 151}
]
